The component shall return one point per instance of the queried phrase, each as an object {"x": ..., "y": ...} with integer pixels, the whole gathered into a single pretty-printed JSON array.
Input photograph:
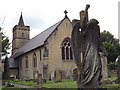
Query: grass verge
[{"x": 66, "y": 83}]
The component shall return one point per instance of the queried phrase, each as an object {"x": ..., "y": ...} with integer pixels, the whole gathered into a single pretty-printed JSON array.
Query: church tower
[{"x": 21, "y": 34}]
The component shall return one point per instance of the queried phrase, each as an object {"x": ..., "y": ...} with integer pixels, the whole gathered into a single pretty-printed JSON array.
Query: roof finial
[{"x": 65, "y": 13}]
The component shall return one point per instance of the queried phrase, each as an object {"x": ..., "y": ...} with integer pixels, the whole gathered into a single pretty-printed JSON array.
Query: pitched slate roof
[{"x": 37, "y": 41}]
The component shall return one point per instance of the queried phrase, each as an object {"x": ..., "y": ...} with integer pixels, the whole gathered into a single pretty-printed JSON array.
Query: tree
[
  {"x": 4, "y": 41},
  {"x": 5, "y": 74},
  {"x": 111, "y": 44}
]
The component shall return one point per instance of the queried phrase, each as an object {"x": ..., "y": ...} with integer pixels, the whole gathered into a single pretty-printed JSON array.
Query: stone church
[{"x": 48, "y": 53}]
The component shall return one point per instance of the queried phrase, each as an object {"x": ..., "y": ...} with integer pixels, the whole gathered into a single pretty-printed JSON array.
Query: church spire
[{"x": 21, "y": 22}]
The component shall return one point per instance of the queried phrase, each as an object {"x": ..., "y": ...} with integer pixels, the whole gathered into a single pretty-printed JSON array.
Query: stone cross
[{"x": 65, "y": 13}]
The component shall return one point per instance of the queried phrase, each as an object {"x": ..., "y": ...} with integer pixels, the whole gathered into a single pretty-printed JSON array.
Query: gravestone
[
  {"x": 35, "y": 76},
  {"x": 61, "y": 74},
  {"x": 39, "y": 80},
  {"x": 118, "y": 69},
  {"x": 52, "y": 77},
  {"x": 75, "y": 74},
  {"x": 58, "y": 75},
  {"x": 104, "y": 67}
]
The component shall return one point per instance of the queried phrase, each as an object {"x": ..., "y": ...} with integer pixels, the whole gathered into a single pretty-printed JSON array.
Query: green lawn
[
  {"x": 21, "y": 82},
  {"x": 112, "y": 78},
  {"x": 113, "y": 86},
  {"x": 66, "y": 83},
  {"x": 9, "y": 88},
  {"x": 0, "y": 87}
]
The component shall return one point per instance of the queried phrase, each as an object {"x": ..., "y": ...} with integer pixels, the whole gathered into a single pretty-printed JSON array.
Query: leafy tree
[
  {"x": 111, "y": 44},
  {"x": 5, "y": 43},
  {"x": 5, "y": 74}
]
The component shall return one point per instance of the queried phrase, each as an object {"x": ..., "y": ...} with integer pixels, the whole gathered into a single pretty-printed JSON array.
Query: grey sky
[{"x": 41, "y": 14}]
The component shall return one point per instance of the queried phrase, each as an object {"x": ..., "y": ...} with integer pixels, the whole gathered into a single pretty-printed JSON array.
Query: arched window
[
  {"x": 40, "y": 55},
  {"x": 34, "y": 60},
  {"x": 45, "y": 55},
  {"x": 26, "y": 61},
  {"x": 66, "y": 49}
]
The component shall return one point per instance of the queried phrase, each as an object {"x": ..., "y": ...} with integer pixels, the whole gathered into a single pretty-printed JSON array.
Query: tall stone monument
[
  {"x": 86, "y": 45},
  {"x": 118, "y": 69}
]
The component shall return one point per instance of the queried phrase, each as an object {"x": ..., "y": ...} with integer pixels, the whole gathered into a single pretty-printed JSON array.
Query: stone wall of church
[
  {"x": 13, "y": 72},
  {"x": 50, "y": 64},
  {"x": 55, "y": 62},
  {"x": 31, "y": 72}
]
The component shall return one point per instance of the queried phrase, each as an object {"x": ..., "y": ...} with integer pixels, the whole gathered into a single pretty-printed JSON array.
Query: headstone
[
  {"x": 104, "y": 67},
  {"x": 58, "y": 76},
  {"x": 39, "y": 80},
  {"x": 75, "y": 74},
  {"x": 118, "y": 69},
  {"x": 69, "y": 74},
  {"x": 35, "y": 76},
  {"x": 52, "y": 77}
]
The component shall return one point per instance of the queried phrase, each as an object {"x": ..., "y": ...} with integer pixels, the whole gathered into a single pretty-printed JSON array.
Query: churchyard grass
[
  {"x": 112, "y": 77},
  {"x": 9, "y": 88},
  {"x": 113, "y": 86},
  {"x": 0, "y": 87},
  {"x": 66, "y": 83},
  {"x": 16, "y": 81}
]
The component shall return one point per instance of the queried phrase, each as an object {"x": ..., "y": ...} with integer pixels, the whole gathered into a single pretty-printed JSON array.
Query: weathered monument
[
  {"x": 118, "y": 69},
  {"x": 85, "y": 40}
]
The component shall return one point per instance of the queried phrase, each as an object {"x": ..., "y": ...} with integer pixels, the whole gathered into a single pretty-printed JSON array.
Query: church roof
[
  {"x": 37, "y": 41},
  {"x": 21, "y": 22}
]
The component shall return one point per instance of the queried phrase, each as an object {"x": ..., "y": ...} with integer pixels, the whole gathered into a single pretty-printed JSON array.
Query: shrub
[{"x": 111, "y": 66}]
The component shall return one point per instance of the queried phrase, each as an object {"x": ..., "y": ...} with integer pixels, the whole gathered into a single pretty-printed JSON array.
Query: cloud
[{"x": 34, "y": 21}]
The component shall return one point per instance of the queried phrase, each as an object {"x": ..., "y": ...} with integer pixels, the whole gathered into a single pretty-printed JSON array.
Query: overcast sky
[{"x": 41, "y": 14}]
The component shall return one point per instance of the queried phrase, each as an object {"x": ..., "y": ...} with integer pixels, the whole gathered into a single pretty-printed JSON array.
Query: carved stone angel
[{"x": 86, "y": 46}]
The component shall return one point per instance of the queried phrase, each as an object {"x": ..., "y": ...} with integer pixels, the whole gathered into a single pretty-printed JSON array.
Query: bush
[{"x": 111, "y": 66}]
